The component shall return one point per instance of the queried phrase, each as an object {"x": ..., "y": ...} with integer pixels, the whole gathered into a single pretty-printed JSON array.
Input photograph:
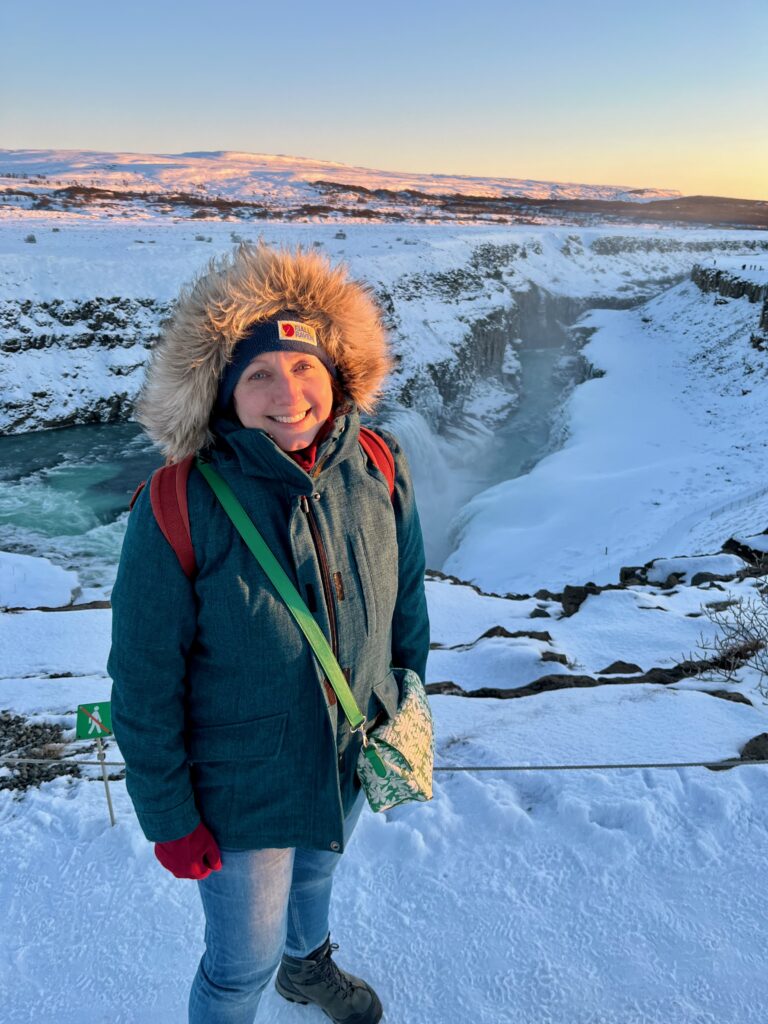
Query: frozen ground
[
  {"x": 538, "y": 897},
  {"x": 601, "y": 897},
  {"x": 664, "y": 450}
]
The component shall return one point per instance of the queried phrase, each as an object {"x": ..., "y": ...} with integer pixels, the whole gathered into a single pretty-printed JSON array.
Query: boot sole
[{"x": 290, "y": 996}]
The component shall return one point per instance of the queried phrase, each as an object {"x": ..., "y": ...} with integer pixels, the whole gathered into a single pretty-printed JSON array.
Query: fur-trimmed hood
[{"x": 236, "y": 291}]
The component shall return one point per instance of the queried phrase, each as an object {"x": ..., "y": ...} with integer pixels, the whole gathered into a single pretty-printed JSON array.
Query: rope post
[{"x": 101, "y": 757}]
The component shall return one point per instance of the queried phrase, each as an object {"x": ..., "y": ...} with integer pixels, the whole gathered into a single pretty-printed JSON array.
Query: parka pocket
[
  {"x": 367, "y": 582},
  {"x": 388, "y": 694},
  {"x": 259, "y": 739}
]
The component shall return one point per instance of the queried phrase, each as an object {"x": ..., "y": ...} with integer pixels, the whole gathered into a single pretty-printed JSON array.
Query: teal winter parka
[{"x": 219, "y": 707}]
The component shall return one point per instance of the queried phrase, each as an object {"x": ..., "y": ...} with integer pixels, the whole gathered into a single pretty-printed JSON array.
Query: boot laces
[{"x": 331, "y": 974}]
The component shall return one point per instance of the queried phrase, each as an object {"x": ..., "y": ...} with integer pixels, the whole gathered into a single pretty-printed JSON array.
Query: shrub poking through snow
[{"x": 742, "y": 639}]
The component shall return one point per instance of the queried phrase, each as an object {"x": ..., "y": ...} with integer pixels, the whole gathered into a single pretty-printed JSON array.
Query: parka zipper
[{"x": 324, "y": 573}]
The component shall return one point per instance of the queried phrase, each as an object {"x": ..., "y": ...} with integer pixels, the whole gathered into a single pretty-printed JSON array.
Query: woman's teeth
[{"x": 290, "y": 419}]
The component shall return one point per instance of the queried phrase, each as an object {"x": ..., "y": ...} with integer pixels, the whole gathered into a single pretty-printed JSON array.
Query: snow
[
  {"x": 270, "y": 177},
  {"x": 442, "y": 281},
  {"x": 52, "y": 643},
  {"x": 756, "y": 541},
  {"x": 640, "y": 625},
  {"x": 587, "y": 897},
  {"x": 670, "y": 437},
  {"x": 688, "y": 567},
  {"x": 555, "y": 888},
  {"x": 27, "y": 582}
]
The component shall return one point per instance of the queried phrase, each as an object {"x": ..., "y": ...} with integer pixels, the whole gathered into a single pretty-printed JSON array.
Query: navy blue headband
[{"x": 279, "y": 335}]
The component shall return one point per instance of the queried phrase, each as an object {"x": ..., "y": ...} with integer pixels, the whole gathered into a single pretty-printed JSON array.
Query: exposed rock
[
  {"x": 437, "y": 574},
  {"x": 632, "y": 575},
  {"x": 542, "y": 685},
  {"x": 542, "y": 635},
  {"x": 540, "y": 613},
  {"x": 657, "y": 676},
  {"x": 732, "y": 695},
  {"x": 720, "y": 606},
  {"x": 707, "y": 577},
  {"x": 85, "y": 607},
  {"x": 752, "y": 549},
  {"x": 620, "y": 668},
  {"x": 447, "y": 687},
  {"x": 667, "y": 573},
  {"x": 755, "y": 749},
  {"x": 710, "y": 279},
  {"x": 554, "y": 656},
  {"x": 574, "y": 597},
  {"x": 495, "y": 631},
  {"x": 22, "y": 738}
]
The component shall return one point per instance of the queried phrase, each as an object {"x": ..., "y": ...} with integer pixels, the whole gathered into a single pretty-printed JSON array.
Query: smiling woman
[
  {"x": 288, "y": 394},
  {"x": 242, "y": 769}
]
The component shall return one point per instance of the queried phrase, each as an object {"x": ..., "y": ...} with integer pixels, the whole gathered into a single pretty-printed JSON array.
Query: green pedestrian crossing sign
[{"x": 94, "y": 720}]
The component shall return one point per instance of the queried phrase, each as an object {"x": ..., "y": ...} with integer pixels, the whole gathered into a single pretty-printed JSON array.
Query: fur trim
[{"x": 216, "y": 311}]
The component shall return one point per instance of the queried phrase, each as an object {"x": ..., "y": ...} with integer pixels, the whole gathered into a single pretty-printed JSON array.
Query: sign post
[{"x": 95, "y": 721}]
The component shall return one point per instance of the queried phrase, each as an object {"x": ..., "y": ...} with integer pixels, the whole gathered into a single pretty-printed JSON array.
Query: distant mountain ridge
[
  {"x": 248, "y": 186},
  {"x": 243, "y": 175}
]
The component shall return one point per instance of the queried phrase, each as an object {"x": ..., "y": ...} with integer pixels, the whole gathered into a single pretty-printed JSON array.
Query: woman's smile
[{"x": 290, "y": 419}]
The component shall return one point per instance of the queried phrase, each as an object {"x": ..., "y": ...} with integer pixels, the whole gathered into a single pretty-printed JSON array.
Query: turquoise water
[{"x": 64, "y": 494}]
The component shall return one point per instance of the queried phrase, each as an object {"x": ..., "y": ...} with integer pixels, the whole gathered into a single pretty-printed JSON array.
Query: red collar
[{"x": 305, "y": 457}]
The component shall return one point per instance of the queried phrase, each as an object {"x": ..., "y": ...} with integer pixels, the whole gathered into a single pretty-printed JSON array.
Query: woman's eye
[
  {"x": 303, "y": 366},
  {"x": 257, "y": 375}
]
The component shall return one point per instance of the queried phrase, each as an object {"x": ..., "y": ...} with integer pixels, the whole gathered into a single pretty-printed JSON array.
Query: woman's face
[{"x": 288, "y": 394}]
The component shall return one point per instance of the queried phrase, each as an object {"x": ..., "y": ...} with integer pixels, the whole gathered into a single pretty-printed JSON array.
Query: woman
[{"x": 239, "y": 764}]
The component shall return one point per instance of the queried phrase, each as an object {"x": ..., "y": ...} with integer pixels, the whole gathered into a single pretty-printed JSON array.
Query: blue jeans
[{"x": 260, "y": 904}]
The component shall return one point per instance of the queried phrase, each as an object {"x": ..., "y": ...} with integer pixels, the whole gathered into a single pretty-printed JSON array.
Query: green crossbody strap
[{"x": 298, "y": 609}]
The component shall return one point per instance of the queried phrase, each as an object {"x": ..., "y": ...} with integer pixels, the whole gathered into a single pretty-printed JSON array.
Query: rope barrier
[{"x": 732, "y": 763}]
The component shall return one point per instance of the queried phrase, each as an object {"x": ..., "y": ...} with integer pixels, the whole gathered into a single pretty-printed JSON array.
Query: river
[{"x": 64, "y": 493}]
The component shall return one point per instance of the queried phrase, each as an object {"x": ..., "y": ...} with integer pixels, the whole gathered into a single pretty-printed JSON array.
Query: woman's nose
[{"x": 287, "y": 385}]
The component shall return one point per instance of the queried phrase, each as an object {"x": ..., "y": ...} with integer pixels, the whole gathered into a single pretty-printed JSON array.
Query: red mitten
[{"x": 192, "y": 856}]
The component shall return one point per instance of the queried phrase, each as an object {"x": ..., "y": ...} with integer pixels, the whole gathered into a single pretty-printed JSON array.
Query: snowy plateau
[{"x": 587, "y": 545}]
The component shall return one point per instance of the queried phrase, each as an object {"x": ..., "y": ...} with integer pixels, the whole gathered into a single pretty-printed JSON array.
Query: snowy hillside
[
  {"x": 247, "y": 186},
  {"x": 666, "y": 450},
  {"x": 284, "y": 178},
  {"x": 81, "y": 304},
  {"x": 610, "y": 896},
  {"x": 575, "y": 578}
]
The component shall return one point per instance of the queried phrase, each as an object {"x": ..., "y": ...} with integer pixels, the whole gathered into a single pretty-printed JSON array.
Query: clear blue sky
[{"x": 669, "y": 94}]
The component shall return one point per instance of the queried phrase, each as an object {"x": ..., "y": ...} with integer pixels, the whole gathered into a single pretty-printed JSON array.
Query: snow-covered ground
[
  {"x": 538, "y": 897},
  {"x": 662, "y": 452},
  {"x": 593, "y": 897},
  {"x": 27, "y": 582}
]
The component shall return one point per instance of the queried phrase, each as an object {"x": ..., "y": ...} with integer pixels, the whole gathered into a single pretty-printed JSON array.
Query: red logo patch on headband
[{"x": 297, "y": 330}]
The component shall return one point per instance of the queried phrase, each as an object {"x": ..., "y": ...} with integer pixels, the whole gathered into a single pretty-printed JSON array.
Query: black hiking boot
[{"x": 341, "y": 996}]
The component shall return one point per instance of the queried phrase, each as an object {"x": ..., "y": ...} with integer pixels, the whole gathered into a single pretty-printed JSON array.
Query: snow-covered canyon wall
[
  {"x": 733, "y": 283},
  {"x": 74, "y": 360},
  {"x": 82, "y": 306}
]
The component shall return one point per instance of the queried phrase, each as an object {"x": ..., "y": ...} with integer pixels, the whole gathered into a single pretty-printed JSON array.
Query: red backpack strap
[
  {"x": 378, "y": 451},
  {"x": 136, "y": 493},
  {"x": 168, "y": 494}
]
